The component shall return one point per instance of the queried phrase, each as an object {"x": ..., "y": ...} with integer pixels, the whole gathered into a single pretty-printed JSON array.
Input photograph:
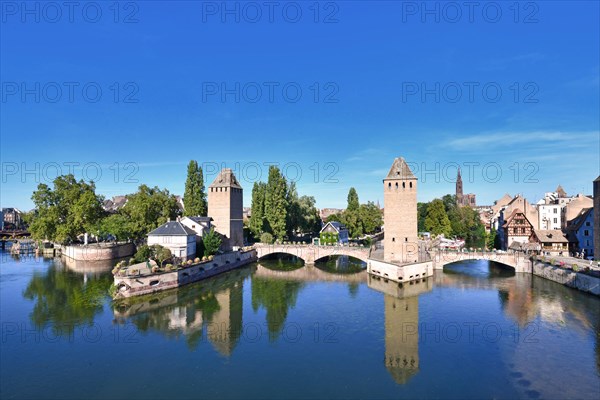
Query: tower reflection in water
[
  {"x": 401, "y": 325},
  {"x": 214, "y": 306}
]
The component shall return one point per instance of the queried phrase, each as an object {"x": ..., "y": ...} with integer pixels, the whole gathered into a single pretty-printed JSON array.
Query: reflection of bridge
[
  {"x": 518, "y": 261},
  {"x": 310, "y": 273},
  {"x": 311, "y": 253}
]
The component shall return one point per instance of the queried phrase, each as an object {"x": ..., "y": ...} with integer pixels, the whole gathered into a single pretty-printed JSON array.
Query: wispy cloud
[{"x": 497, "y": 140}]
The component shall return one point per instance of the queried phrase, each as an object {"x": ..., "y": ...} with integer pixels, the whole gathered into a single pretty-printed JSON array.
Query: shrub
[
  {"x": 211, "y": 257},
  {"x": 154, "y": 269},
  {"x": 131, "y": 261},
  {"x": 169, "y": 267},
  {"x": 189, "y": 262},
  {"x": 575, "y": 267},
  {"x": 204, "y": 258},
  {"x": 197, "y": 259},
  {"x": 266, "y": 238}
]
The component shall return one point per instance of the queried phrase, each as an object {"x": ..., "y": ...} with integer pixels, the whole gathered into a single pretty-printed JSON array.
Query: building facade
[
  {"x": 516, "y": 228},
  {"x": 581, "y": 234},
  {"x": 225, "y": 207},
  {"x": 550, "y": 216},
  {"x": 597, "y": 218},
  {"x": 335, "y": 228},
  {"x": 176, "y": 237},
  {"x": 400, "y": 214},
  {"x": 552, "y": 242}
]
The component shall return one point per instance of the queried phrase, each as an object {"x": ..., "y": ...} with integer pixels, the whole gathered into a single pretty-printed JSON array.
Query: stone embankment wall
[
  {"x": 95, "y": 252},
  {"x": 145, "y": 284},
  {"x": 576, "y": 280}
]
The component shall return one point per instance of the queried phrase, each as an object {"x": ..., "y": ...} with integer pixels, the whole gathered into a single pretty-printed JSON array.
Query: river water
[{"x": 282, "y": 330}]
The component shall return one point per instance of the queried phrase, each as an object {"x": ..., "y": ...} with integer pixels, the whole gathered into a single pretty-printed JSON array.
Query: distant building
[
  {"x": 114, "y": 204},
  {"x": 12, "y": 218},
  {"x": 580, "y": 233},
  {"x": 246, "y": 213},
  {"x": 338, "y": 229},
  {"x": 553, "y": 241},
  {"x": 463, "y": 199},
  {"x": 324, "y": 213},
  {"x": 176, "y": 237},
  {"x": 225, "y": 206},
  {"x": 597, "y": 218},
  {"x": 400, "y": 214}
]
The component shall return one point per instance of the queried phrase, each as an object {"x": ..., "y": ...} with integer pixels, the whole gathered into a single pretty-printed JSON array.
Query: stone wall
[
  {"x": 399, "y": 273},
  {"x": 94, "y": 252},
  {"x": 145, "y": 284},
  {"x": 576, "y": 280}
]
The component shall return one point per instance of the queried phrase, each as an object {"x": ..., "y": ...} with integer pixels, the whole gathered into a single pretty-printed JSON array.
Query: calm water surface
[{"x": 281, "y": 330}]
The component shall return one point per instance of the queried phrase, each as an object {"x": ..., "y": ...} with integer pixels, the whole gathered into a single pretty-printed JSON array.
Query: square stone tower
[
  {"x": 596, "y": 211},
  {"x": 225, "y": 206},
  {"x": 400, "y": 214}
]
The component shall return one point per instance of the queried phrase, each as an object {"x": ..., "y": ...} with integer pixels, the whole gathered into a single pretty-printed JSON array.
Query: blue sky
[{"x": 497, "y": 89}]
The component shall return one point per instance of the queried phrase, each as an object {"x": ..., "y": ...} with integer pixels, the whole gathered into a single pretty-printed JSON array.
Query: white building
[
  {"x": 550, "y": 216},
  {"x": 176, "y": 237},
  {"x": 200, "y": 225}
]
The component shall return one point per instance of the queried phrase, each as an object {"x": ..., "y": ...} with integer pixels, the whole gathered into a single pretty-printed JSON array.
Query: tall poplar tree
[
  {"x": 276, "y": 202},
  {"x": 257, "y": 218},
  {"x": 194, "y": 197}
]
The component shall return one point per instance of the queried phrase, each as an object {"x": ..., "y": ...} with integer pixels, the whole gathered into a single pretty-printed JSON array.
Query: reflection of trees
[
  {"x": 341, "y": 264},
  {"x": 281, "y": 262},
  {"x": 353, "y": 289},
  {"x": 215, "y": 304},
  {"x": 64, "y": 299},
  {"x": 276, "y": 296}
]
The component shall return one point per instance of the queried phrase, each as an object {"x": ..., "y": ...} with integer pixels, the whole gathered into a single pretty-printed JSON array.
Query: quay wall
[
  {"x": 145, "y": 284},
  {"x": 572, "y": 279},
  {"x": 400, "y": 273},
  {"x": 94, "y": 252}
]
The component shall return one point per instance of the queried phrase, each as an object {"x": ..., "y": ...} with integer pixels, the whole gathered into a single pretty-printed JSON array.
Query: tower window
[
  {"x": 393, "y": 239},
  {"x": 396, "y": 185},
  {"x": 410, "y": 184},
  {"x": 406, "y": 239},
  {"x": 390, "y": 185},
  {"x": 403, "y": 185}
]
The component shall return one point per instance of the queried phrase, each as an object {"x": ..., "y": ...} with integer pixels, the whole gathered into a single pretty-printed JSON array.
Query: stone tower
[
  {"x": 596, "y": 212},
  {"x": 459, "y": 189},
  {"x": 225, "y": 206},
  {"x": 400, "y": 214}
]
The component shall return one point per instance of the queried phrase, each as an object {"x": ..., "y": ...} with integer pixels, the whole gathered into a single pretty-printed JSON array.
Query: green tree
[
  {"x": 421, "y": 214},
  {"x": 353, "y": 203},
  {"x": 257, "y": 218},
  {"x": 370, "y": 217},
  {"x": 310, "y": 220},
  {"x": 194, "y": 197},
  {"x": 70, "y": 209},
  {"x": 212, "y": 241},
  {"x": 276, "y": 202},
  {"x": 160, "y": 254},
  {"x": 117, "y": 225},
  {"x": 352, "y": 215},
  {"x": 149, "y": 208},
  {"x": 436, "y": 221}
]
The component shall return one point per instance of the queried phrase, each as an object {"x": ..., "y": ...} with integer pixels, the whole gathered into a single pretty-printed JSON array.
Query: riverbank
[
  {"x": 133, "y": 282},
  {"x": 98, "y": 251},
  {"x": 568, "y": 277}
]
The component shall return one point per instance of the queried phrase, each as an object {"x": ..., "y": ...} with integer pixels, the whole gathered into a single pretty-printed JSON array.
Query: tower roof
[
  {"x": 400, "y": 170},
  {"x": 226, "y": 178},
  {"x": 561, "y": 192}
]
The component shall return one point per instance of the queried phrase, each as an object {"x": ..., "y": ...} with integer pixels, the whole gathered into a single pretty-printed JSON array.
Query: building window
[
  {"x": 403, "y": 185},
  {"x": 588, "y": 223},
  {"x": 555, "y": 211},
  {"x": 396, "y": 185},
  {"x": 390, "y": 185},
  {"x": 393, "y": 239},
  {"x": 586, "y": 233},
  {"x": 555, "y": 220},
  {"x": 410, "y": 184}
]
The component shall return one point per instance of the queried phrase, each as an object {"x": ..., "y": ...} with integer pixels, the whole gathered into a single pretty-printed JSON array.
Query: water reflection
[
  {"x": 341, "y": 264},
  {"x": 276, "y": 297},
  {"x": 214, "y": 306},
  {"x": 401, "y": 307},
  {"x": 65, "y": 299}
]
